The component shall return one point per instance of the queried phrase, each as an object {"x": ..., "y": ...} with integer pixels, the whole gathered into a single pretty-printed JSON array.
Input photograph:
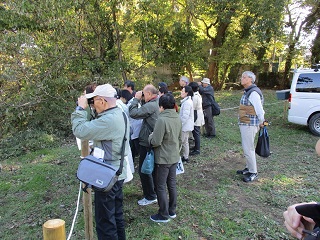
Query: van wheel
[{"x": 314, "y": 124}]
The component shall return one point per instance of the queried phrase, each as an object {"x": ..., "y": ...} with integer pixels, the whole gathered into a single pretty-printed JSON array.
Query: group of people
[{"x": 154, "y": 122}]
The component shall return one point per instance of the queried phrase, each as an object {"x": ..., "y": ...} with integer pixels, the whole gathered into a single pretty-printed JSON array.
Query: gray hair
[
  {"x": 250, "y": 75},
  {"x": 185, "y": 79}
]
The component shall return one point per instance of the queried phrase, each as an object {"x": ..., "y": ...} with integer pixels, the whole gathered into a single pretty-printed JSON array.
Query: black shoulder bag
[
  {"x": 98, "y": 175},
  {"x": 215, "y": 106}
]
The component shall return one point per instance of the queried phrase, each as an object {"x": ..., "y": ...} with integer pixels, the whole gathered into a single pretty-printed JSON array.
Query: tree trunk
[
  {"x": 315, "y": 50},
  {"x": 189, "y": 70},
  {"x": 213, "y": 73},
  {"x": 118, "y": 41},
  {"x": 217, "y": 42},
  {"x": 285, "y": 83}
]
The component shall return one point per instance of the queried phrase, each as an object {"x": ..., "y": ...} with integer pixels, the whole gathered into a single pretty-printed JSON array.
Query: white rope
[
  {"x": 224, "y": 109},
  {"x": 76, "y": 213}
]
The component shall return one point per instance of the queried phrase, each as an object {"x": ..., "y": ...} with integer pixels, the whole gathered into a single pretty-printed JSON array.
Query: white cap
[
  {"x": 105, "y": 90},
  {"x": 206, "y": 80}
]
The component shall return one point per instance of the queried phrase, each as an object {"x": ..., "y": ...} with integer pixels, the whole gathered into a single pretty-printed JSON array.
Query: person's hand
[
  {"x": 138, "y": 95},
  {"x": 265, "y": 123},
  {"x": 318, "y": 147},
  {"x": 82, "y": 102},
  {"x": 296, "y": 223}
]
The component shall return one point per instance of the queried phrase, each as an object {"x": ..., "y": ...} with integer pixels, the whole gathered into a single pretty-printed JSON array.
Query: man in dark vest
[{"x": 251, "y": 118}]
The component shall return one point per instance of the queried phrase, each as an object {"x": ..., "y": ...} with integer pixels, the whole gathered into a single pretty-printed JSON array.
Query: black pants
[
  {"x": 109, "y": 213},
  {"x": 135, "y": 147},
  {"x": 196, "y": 136},
  {"x": 209, "y": 122},
  {"x": 146, "y": 179},
  {"x": 165, "y": 175}
]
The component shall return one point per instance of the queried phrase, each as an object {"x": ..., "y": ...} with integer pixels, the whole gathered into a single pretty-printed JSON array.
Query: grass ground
[{"x": 213, "y": 202}]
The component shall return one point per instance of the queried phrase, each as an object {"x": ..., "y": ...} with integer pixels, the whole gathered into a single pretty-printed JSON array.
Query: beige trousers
[
  {"x": 185, "y": 144},
  {"x": 248, "y": 134}
]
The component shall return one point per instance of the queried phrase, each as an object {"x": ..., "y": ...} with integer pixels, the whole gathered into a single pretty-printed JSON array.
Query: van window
[{"x": 308, "y": 82}]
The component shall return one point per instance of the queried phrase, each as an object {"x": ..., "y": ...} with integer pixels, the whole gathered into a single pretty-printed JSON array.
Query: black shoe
[
  {"x": 185, "y": 160},
  {"x": 172, "y": 215},
  {"x": 194, "y": 152},
  {"x": 243, "y": 172},
  {"x": 159, "y": 219},
  {"x": 250, "y": 177}
]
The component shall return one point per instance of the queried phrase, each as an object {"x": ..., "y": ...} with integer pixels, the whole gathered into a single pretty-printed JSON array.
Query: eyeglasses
[{"x": 93, "y": 100}]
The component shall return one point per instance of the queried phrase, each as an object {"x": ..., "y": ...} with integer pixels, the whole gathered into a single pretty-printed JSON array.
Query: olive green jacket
[{"x": 166, "y": 137}]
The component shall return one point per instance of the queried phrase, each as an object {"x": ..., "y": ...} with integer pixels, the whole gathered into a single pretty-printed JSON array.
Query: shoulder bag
[
  {"x": 98, "y": 175},
  {"x": 215, "y": 106}
]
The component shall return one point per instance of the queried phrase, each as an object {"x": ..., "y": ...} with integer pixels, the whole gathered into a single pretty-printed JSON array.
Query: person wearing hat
[
  {"x": 184, "y": 81},
  {"x": 250, "y": 119},
  {"x": 162, "y": 84},
  {"x": 207, "y": 93},
  {"x": 107, "y": 131}
]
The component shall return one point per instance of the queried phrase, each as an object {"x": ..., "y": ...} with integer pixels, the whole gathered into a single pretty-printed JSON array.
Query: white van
[{"x": 304, "y": 99}]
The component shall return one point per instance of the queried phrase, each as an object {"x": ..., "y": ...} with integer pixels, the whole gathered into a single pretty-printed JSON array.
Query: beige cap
[
  {"x": 105, "y": 90},
  {"x": 206, "y": 80}
]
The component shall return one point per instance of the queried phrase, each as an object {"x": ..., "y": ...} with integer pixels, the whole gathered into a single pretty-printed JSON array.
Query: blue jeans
[
  {"x": 109, "y": 213},
  {"x": 165, "y": 175}
]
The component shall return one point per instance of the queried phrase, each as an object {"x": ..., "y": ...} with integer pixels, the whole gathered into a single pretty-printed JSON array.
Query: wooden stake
[
  {"x": 54, "y": 230},
  {"x": 87, "y": 200}
]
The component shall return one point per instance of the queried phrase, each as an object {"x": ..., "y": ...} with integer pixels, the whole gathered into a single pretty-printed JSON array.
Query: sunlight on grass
[{"x": 279, "y": 181}]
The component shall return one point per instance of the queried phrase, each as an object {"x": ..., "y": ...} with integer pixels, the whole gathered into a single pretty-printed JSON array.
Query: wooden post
[
  {"x": 87, "y": 200},
  {"x": 54, "y": 230}
]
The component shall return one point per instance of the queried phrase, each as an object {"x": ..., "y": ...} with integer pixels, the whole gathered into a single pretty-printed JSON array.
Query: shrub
[{"x": 23, "y": 142}]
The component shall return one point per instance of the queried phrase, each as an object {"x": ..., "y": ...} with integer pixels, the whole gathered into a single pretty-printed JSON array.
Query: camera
[{"x": 90, "y": 101}]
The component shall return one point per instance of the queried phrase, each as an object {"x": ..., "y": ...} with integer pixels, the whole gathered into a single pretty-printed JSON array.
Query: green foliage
[
  {"x": 50, "y": 50},
  {"x": 27, "y": 141}
]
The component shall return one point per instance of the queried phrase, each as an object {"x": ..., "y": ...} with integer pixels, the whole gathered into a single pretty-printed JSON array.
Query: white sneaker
[{"x": 144, "y": 202}]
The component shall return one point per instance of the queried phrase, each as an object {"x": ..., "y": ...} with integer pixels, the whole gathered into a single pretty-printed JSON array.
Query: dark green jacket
[
  {"x": 166, "y": 137},
  {"x": 149, "y": 113}
]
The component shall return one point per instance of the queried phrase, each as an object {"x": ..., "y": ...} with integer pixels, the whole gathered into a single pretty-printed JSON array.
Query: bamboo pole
[
  {"x": 87, "y": 201},
  {"x": 54, "y": 230}
]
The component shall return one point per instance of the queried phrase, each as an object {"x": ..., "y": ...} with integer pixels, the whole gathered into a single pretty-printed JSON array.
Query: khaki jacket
[{"x": 166, "y": 137}]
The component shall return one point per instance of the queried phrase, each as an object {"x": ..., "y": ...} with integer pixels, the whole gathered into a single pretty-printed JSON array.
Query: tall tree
[
  {"x": 315, "y": 50},
  {"x": 296, "y": 22}
]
